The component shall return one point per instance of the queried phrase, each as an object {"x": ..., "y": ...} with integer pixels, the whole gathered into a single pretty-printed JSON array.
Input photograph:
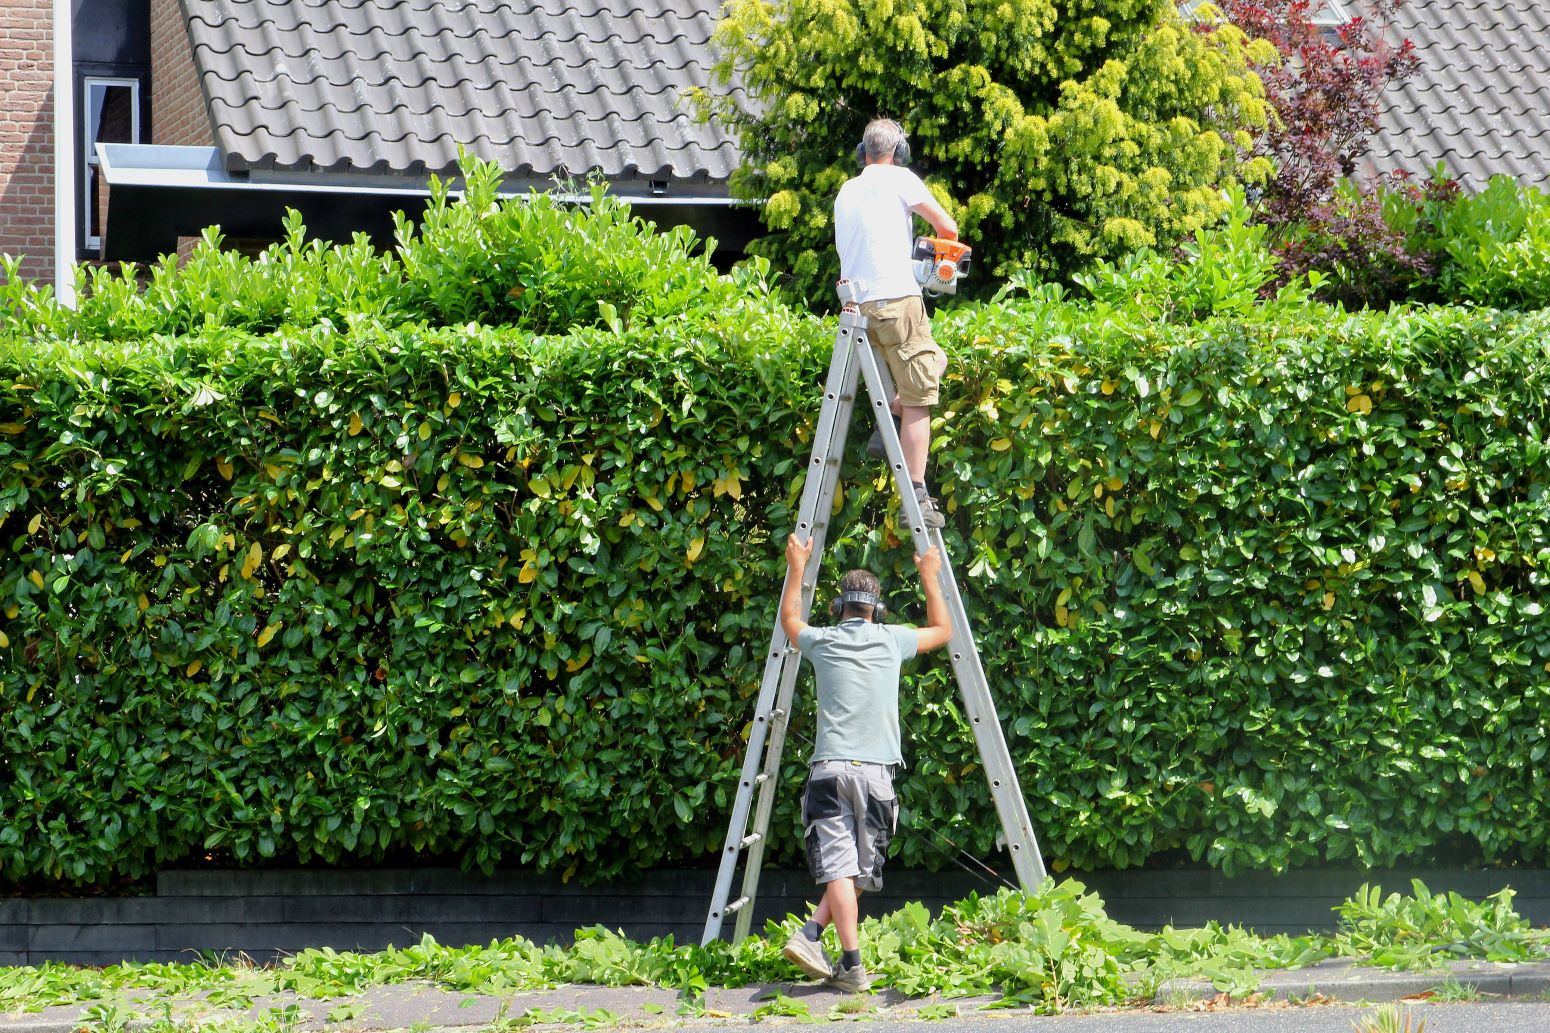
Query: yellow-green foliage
[{"x": 1059, "y": 130}]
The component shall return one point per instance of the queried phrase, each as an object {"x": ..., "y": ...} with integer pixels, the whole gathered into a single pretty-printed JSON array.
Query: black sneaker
[
  {"x": 874, "y": 444},
  {"x": 930, "y": 513}
]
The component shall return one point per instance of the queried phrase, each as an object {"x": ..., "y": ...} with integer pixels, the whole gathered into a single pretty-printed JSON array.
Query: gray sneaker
[
  {"x": 808, "y": 956},
  {"x": 930, "y": 513},
  {"x": 849, "y": 980}
]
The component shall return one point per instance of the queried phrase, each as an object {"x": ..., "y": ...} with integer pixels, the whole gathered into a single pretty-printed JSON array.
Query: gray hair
[{"x": 882, "y": 135}]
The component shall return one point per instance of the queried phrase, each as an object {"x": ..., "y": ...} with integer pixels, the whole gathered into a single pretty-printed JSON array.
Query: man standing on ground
[
  {"x": 874, "y": 234},
  {"x": 849, "y": 809}
]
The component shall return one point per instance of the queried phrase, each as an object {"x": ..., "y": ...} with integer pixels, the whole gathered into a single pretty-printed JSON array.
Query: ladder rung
[
  {"x": 736, "y": 905},
  {"x": 750, "y": 839},
  {"x": 777, "y": 712},
  {"x": 761, "y": 778}
]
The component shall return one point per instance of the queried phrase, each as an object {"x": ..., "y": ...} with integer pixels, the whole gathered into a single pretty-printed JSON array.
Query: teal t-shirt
[{"x": 856, "y": 664}]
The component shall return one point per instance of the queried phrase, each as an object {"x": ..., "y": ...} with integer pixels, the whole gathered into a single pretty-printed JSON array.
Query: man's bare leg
[
  {"x": 841, "y": 905},
  {"x": 915, "y": 437}
]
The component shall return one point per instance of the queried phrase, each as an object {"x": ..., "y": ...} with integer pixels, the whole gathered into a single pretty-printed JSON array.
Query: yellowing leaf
[
  {"x": 5, "y": 642},
  {"x": 35, "y": 523},
  {"x": 1156, "y": 428},
  {"x": 1115, "y": 484},
  {"x": 1001, "y": 444},
  {"x": 355, "y": 424},
  {"x": 36, "y": 577},
  {"x": 1477, "y": 582},
  {"x": 627, "y": 519},
  {"x": 454, "y": 400},
  {"x": 193, "y": 668},
  {"x": 223, "y": 466},
  {"x": 1108, "y": 387},
  {"x": 472, "y": 462},
  {"x": 142, "y": 602},
  {"x": 654, "y": 502},
  {"x": 696, "y": 547},
  {"x": 528, "y": 574},
  {"x": 267, "y": 634},
  {"x": 688, "y": 481},
  {"x": 254, "y": 557},
  {"x": 1361, "y": 404},
  {"x": 280, "y": 551},
  {"x": 12, "y": 428},
  {"x": 1062, "y": 616},
  {"x": 1329, "y": 600},
  {"x": 731, "y": 484},
  {"x": 1108, "y": 506}
]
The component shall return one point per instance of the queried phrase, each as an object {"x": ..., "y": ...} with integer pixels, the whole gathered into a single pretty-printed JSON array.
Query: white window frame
[{"x": 89, "y": 159}]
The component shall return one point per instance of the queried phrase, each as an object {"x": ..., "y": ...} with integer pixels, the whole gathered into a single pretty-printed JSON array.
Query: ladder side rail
[
  {"x": 1005, "y": 789},
  {"x": 841, "y": 373},
  {"x": 816, "y": 523},
  {"x": 980, "y": 708}
]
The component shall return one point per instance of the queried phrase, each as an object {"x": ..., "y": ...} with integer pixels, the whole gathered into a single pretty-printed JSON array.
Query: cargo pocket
[
  {"x": 888, "y": 331},
  {"x": 821, "y": 799},
  {"x": 882, "y": 818}
]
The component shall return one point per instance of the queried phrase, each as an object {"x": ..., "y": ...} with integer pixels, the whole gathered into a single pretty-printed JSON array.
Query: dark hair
[{"x": 861, "y": 581}]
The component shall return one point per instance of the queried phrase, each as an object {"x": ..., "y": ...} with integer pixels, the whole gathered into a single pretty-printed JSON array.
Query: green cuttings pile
[{"x": 1054, "y": 950}]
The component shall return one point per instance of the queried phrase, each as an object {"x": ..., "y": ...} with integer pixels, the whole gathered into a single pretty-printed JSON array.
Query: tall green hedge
[
  {"x": 1270, "y": 592},
  {"x": 292, "y": 569}
]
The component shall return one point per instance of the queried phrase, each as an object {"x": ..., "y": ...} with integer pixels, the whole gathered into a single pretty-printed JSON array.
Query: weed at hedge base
[{"x": 1424, "y": 929}]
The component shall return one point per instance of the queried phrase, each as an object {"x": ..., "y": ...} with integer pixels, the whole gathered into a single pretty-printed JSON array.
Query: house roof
[
  {"x": 395, "y": 86},
  {"x": 1480, "y": 103}
]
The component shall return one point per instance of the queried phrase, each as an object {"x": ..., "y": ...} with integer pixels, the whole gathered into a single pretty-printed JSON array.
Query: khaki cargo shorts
[{"x": 899, "y": 328}]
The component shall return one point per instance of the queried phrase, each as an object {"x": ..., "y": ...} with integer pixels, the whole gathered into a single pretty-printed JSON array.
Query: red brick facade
[
  {"x": 27, "y": 134},
  {"x": 178, "y": 114}
]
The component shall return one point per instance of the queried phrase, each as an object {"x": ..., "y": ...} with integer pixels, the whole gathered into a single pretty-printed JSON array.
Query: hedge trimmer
[{"x": 940, "y": 263}]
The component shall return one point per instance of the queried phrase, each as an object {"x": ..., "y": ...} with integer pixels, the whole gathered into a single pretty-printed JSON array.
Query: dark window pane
[{"x": 111, "y": 114}]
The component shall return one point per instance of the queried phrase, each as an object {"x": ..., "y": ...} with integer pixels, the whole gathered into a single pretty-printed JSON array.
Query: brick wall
[
  {"x": 27, "y": 134},
  {"x": 178, "y": 114}
]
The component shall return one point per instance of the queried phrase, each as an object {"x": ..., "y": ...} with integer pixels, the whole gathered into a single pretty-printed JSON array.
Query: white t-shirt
[{"x": 873, "y": 231}]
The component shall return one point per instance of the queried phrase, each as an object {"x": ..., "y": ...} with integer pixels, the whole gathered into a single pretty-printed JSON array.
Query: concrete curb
[{"x": 1340, "y": 980}]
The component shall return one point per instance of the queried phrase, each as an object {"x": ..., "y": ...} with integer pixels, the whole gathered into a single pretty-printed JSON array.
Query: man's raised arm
[
  {"x": 791, "y": 600},
  {"x": 939, "y": 626}
]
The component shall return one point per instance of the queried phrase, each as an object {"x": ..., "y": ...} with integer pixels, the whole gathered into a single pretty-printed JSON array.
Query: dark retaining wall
[{"x": 268, "y": 914}]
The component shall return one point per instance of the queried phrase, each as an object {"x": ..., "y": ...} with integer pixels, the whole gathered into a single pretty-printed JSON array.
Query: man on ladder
[
  {"x": 882, "y": 298},
  {"x": 873, "y": 232},
  {"x": 849, "y": 810}
]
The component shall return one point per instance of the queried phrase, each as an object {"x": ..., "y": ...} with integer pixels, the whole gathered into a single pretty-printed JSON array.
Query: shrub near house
[{"x": 343, "y": 571}]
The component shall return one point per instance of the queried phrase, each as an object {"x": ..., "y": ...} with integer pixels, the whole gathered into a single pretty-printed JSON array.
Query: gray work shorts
[{"x": 849, "y": 812}]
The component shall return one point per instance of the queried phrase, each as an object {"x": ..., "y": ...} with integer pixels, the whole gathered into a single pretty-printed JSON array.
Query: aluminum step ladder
[{"x": 855, "y": 357}]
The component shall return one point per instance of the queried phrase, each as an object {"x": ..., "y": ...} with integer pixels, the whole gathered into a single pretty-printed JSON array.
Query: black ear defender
[
  {"x": 879, "y": 608},
  {"x": 901, "y": 150}
]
